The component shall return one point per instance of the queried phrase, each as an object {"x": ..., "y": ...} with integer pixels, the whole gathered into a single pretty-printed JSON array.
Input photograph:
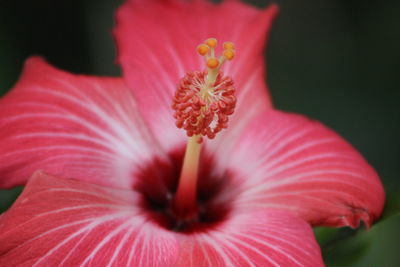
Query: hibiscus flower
[{"x": 106, "y": 156}]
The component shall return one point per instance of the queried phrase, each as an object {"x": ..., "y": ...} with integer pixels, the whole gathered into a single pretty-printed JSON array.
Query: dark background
[{"x": 337, "y": 61}]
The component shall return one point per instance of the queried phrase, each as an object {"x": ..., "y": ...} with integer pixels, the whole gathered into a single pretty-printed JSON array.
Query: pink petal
[
  {"x": 268, "y": 238},
  {"x": 62, "y": 222},
  {"x": 289, "y": 162},
  {"x": 71, "y": 125},
  {"x": 157, "y": 43}
]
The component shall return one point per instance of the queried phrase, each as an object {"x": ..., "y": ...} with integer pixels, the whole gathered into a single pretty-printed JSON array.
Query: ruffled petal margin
[
  {"x": 289, "y": 162},
  {"x": 71, "y": 125},
  {"x": 63, "y": 222},
  {"x": 157, "y": 43}
]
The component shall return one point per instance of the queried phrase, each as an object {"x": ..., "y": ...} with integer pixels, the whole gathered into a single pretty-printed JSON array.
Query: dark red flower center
[{"x": 158, "y": 183}]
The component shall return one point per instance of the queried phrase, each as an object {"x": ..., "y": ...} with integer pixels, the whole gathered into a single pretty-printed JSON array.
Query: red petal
[
  {"x": 62, "y": 222},
  {"x": 292, "y": 163},
  {"x": 157, "y": 43},
  {"x": 76, "y": 126},
  {"x": 269, "y": 238}
]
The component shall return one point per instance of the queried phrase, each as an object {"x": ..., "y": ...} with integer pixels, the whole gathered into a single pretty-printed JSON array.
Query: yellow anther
[
  {"x": 212, "y": 63},
  {"x": 203, "y": 49},
  {"x": 229, "y": 45},
  {"x": 211, "y": 42},
  {"x": 229, "y": 54}
]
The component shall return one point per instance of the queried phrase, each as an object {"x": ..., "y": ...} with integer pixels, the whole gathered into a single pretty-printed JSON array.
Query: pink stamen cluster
[{"x": 203, "y": 109}]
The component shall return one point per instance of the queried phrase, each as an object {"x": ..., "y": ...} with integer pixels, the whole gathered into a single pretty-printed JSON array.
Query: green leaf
[{"x": 361, "y": 248}]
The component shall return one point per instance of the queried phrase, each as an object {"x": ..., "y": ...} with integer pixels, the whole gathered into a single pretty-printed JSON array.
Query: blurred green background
[{"x": 337, "y": 61}]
